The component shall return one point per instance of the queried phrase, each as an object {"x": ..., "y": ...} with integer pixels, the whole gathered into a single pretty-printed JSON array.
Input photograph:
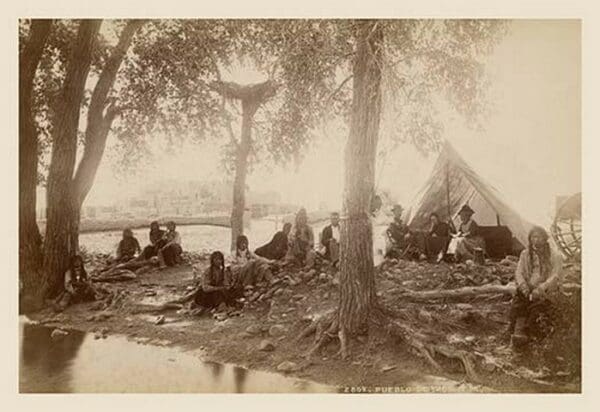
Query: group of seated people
[
  {"x": 537, "y": 277},
  {"x": 166, "y": 245},
  {"x": 440, "y": 242}
]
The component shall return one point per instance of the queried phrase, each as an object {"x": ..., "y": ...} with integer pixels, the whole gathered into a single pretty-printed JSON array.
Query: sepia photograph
[{"x": 299, "y": 205}]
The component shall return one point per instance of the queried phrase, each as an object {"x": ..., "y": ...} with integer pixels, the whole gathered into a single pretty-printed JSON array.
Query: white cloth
[{"x": 335, "y": 233}]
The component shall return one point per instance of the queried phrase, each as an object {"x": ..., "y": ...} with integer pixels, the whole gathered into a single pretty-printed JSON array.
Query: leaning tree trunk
[
  {"x": 99, "y": 121},
  {"x": 357, "y": 280},
  {"x": 30, "y": 243},
  {"x": 62, "y": 164},
  {"x": 241, "y": 171}
]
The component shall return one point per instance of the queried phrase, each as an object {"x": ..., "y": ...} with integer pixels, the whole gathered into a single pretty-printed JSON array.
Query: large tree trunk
[
  {"x": 30, "y": 253},
  {"x": 98, "y": 126},
  {"x": 357, "y": 280},
  {"x": 241, "y": 170},
  {"x": 62, "y": 165}
]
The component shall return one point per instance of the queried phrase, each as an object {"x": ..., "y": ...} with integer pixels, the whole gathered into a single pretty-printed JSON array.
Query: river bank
[
  {"x": 109, "y": 225},
  {"x": 264, "y": 336}
]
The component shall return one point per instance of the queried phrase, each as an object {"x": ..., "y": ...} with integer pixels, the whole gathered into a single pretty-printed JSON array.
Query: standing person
[
  {"x": 301, "y": 242},
  {"x": 538, "y": 277},
  {"x": 468, "y": 240},
  {"x": 278, "y": 246},
  {"x": 128, "y": 247},
  {"x": 330, "y": 238},
  {"x": 170, "y": 253},
  {"x": 156, "y": 241},
  {"x": 438, "y": 238},
  {"x": 78, "y": 287}
]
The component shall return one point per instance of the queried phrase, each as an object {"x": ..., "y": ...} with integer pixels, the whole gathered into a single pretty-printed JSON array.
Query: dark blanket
[{"x": 276, "y": 248}]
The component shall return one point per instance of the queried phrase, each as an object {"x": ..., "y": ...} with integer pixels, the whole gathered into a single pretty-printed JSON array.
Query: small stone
[
  {"x": 425, "y": 316},
  {"x": 276, "y": 330},
  {"x": 287, "y": 366},
  {"x": 160, "y": 320},
  {"x": 254, "y": 330},
  {"x": 58, "y": 334},
  {"x": 388, "y": 368},
  {"x": 220, "y": 317},
  {"x": 489, "y": 367},
  {"x": 266, "y": 346},
  {"x": 323, "y": 277}
]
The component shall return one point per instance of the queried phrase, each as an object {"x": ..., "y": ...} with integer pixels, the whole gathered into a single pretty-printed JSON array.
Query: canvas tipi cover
[{"x": 451, "y": 185}]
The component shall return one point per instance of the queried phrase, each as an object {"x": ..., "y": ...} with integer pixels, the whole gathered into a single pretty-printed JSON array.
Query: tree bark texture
[
  {"x": 62, "y": 165},
  {"x": 357, "y": 280},
  {"x": 30, "y": 243}
]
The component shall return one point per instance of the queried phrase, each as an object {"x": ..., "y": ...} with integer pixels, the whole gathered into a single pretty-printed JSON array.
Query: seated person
[
  {"x": 217, "y": 286},
  {"x": 277, "y": 247},
  {"x": 128, "y": 247},
  {"x": 78, "y": 288},
  {"x": 170, "y": 253},
  {"x": 467, "y": 242},
  {"x": 400, "y": 241},
  {"x": 437, "y": 238},
  {"x": 301, "y": 242},
  {"x": 247, "y": 268},
  {"x": 538, "y": 277},
  {"x": 156, "y": 242},
  {"x": 330, "y": 239}
]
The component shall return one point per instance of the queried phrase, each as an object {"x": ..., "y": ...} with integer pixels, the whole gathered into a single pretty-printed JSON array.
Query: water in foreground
[{"x": 78, "y": 363}]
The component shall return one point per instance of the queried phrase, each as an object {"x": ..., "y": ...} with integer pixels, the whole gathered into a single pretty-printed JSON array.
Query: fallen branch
[{"x": 470, "y": 291}]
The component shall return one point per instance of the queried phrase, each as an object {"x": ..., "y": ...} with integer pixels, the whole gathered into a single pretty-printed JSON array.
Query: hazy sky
[{"x": 530, "y": 150}]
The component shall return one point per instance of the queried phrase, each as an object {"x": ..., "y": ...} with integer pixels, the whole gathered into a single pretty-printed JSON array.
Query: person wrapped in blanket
[
  {"x": 77, "y": 287},
  {"x": 538, "y": 278},
  {"x": 301, "y": 242},
  {"x": 467, "y": 243},
  {"x": 157, "y": 241},
  {"x": 128, "y": 247},
  {"x": 170, "y": 253},
  {"x": 221, "y": 284},
  {"x": 277, "y": 248}
]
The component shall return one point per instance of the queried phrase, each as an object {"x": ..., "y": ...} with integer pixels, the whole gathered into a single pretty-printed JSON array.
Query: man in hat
[
  {"x": 467, "y": 241},
  {"x": 398, "y": 236}
]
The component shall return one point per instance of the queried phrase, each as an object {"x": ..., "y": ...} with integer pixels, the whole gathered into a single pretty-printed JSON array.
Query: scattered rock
[
  {"x": 323, "y": 277},
  {"x": 266, "y": 346},
  {"x": 287, "y": 366},
  {"x": 254, "y": 329},
  {"x": 220, "y": 317},
  {"x": 425, "y": 316},
  {"x": 387, "y": 368},
  {"x": 160, "y": 320},
  {"x": 102, "y": 316},
  {"x": 276, "y": 330},
  {"x": 58, "y": 334}
]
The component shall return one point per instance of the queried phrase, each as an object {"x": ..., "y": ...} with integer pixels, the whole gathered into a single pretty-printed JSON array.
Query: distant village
[{"x": 187, "y": 199}]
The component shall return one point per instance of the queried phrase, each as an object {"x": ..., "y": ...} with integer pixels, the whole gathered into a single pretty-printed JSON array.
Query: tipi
[{"x": 452, "y": 184}]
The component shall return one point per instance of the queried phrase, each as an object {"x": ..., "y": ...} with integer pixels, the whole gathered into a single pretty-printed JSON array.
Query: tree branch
[{"x": 98, "y": 123}]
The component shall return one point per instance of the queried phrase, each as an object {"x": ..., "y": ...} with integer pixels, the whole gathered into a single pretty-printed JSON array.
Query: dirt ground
[{"x": 264, "y": 334}]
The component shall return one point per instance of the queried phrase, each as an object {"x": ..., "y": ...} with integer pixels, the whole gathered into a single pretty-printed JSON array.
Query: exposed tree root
[{"x": 327, "y": 328}]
